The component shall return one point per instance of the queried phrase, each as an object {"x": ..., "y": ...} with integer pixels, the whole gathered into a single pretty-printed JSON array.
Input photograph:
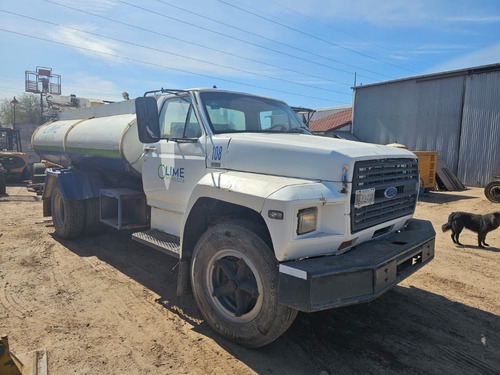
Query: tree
[{"x": 27, "y": 111}]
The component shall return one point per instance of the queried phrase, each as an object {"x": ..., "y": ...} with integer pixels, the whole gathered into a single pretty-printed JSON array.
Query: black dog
[{"x": 481, "y": 224}]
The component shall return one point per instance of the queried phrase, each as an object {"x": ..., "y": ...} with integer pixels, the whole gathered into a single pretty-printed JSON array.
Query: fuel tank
[{"x": 108, "y": 143}]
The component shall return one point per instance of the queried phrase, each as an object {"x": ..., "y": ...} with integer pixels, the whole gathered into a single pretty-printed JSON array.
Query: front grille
[{"x": 380, "y": 175}]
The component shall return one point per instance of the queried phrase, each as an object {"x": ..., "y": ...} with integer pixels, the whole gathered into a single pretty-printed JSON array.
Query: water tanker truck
[{"x": 264, "y": 218}]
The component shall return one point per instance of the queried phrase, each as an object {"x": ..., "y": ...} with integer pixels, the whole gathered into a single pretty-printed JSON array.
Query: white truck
[{"x": 265, "y": 218}]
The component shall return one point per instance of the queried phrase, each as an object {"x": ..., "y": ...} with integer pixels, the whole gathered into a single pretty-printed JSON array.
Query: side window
[{"x": 177, "y": 119}]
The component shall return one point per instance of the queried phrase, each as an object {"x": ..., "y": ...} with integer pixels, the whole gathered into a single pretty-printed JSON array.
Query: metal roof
[
  {"x": 440, "y": 75},
  {"x": 332, "y": 122}
]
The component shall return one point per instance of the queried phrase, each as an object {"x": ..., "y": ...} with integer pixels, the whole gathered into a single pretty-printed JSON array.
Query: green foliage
[{"x": 27, "y": 111}]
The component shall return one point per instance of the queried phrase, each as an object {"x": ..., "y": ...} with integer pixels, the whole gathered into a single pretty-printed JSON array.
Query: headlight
[{"x": 308, "y": 219}]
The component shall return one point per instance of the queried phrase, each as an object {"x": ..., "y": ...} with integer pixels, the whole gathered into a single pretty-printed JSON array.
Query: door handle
[{"x": 149, "y": 148}]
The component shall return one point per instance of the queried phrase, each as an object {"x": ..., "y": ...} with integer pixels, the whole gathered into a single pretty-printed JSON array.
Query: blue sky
[{"x": 306, "y": 53}]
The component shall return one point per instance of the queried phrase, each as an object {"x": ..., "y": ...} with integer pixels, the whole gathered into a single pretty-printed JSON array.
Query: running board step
[{"x": 159, "y": 240}]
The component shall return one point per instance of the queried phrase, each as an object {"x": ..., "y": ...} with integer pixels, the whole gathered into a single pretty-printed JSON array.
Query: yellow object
[
  {"x": 8, "y": 361},
  {"x": 427, "y": 163},
  {"x": 14, "y": 162}
]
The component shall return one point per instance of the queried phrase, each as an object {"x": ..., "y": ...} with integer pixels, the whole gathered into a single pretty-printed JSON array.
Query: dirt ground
[{"x": 107, "y": 305}]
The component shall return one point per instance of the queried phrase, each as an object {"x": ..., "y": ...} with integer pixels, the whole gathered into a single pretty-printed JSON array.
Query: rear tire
[
  {"x": 234, "y": 276},
  {"x": 492, "y": 191},
  {"x": 92, "y": 225},
  {"x": 38, "y": 173},
  {"x": 68, "y": 215}
]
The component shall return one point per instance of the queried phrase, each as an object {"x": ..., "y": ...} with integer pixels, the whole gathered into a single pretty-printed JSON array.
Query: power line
[
  {"x": 253, "y": 44},
  {"x": 173, "y": 53},
  {"x": 20, "y": 83},
  {"x": 217, "y": 50},
  {"x": 314, "y": 36},
  {"x": 248, "y": 32},
  {"x": 263, "y": 37},
  {"x": 316, "y": 20},
  {"x": 163, "y": 66}
]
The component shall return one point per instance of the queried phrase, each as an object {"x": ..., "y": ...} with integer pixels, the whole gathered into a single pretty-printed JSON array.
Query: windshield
[{"x": 230, "y": 112}]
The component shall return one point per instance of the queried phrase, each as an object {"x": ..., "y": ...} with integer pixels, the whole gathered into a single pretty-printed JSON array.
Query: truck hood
[{"x": 299, "y": 155}]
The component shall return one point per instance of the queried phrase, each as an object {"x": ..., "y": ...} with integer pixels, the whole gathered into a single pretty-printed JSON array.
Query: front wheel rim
[{"x": 235, "y": 286}]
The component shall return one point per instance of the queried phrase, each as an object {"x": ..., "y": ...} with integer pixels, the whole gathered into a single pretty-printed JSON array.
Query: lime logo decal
[{"x": 166, "y": 172}]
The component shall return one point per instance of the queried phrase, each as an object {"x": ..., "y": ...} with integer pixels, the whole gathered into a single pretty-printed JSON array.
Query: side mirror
[{"x": 148, "y": 123}]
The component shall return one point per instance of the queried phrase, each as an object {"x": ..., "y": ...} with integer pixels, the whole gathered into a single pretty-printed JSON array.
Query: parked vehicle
[
  {"x": 13, "y": 159},
  {"x": 265, "y": 218},
  {"x": 492, "y": 190}
]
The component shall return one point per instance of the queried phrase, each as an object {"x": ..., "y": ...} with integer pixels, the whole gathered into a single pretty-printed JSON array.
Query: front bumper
[{"x": 360, "y": 275}]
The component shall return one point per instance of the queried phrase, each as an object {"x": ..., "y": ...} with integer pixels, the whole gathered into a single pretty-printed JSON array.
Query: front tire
[
  {"x": 234, "y": 276},
  {"x": 492, "y": 191},
  {"x": 68, "y": 216}
]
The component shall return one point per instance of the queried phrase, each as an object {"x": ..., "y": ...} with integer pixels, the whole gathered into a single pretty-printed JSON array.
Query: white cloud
[
  {"x": 437, "y": 49},
  {"x": 85, "y": 43},
  {"x": 435, "y": 46},
  {"x": 396, "y": 13},
  {"x": 92, "y": 87},
  {"x": 380, "y": 13},
  {"x": 156, "y": 51},
  {"x": 485, "y": 56},
  {"x": 474, "y": 19}
]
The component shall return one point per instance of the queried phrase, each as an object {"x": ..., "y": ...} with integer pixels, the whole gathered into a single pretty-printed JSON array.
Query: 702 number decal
[{"x": 217, "y": 153}]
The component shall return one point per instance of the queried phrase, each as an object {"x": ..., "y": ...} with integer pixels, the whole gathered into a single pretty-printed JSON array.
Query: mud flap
[{"x": 73, "y": 183}]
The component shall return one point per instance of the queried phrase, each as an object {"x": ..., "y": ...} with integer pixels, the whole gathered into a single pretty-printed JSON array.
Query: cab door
[{"x": 173, "y": 166}]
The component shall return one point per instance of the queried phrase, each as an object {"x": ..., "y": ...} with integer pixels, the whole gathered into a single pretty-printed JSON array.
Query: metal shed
[{"x": 456, "y": 113}]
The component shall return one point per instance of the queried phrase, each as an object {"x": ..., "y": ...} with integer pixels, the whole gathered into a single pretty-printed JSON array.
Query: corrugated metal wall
[
  {"x": 456, "y": 116},
  {"x": 479, "y": 154}
]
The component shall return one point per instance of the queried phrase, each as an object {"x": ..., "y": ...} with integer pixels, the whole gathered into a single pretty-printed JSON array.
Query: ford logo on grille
[{"x": 390, "y": 192}]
